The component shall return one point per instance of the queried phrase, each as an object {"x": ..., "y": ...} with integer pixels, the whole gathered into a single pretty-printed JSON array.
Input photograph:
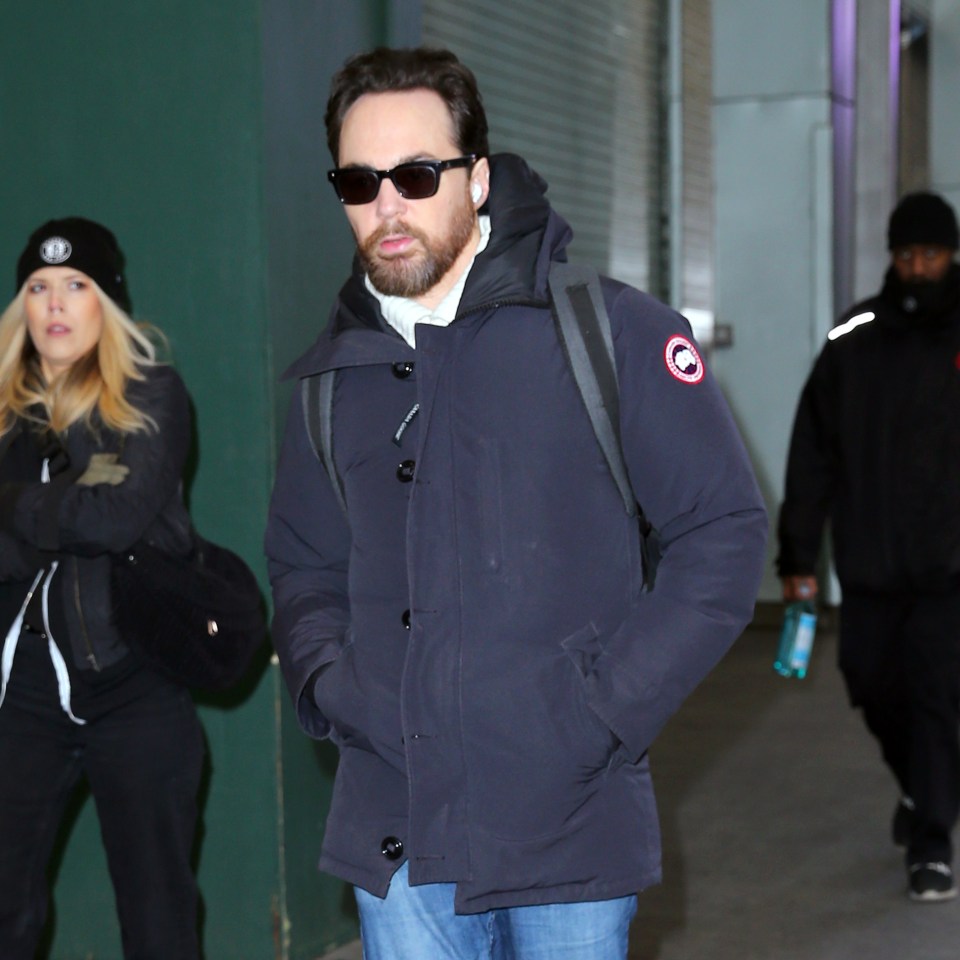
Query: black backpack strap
[
  {"x": 316, "y": 393},
  {"x": 584, "y": 329},
  {"x": 583, "y": 326}
]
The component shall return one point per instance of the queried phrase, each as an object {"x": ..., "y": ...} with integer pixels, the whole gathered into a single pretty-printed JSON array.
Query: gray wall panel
[
  {"x": 771, "y": 49},
  {"x": 769, "y": 172},
  {"x": 573, "y": 88},
  {"x": 945, "y": 82}
]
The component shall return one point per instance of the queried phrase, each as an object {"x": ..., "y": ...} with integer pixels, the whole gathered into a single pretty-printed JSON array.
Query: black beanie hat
[
  {"x": 923, "y": 218},
  {"x": 82, "y": 244}
]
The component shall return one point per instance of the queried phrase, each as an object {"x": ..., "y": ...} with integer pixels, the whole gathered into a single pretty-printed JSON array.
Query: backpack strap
[
  {"x": 584, "y": 328},
  {"x": 316, "y": 394}
]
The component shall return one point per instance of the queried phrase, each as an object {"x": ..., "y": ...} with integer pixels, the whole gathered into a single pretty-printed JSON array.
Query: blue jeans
[{"x": 415, "y": 923}]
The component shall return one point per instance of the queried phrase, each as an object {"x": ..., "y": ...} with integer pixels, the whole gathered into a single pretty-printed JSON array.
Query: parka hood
[{"x": 527, "y": 234}]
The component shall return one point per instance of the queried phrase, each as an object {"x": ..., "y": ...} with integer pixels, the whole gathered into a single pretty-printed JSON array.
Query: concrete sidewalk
[{"x": 776, "y": 812}]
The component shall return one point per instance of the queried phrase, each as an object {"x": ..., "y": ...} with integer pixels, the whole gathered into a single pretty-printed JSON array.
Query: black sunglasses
[{"x": 416, "y": 180}]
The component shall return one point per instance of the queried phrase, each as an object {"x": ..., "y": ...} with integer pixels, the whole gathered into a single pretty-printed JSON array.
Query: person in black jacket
[
  {"x": 876, "y": 450},
  {"x": 94, "y": 434},
  {"x": 471, "y": 627}
]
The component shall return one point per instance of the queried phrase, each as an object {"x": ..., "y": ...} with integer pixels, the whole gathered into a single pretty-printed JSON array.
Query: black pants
[
  {"x": 900, "y": 658},
  {"x": 142, "y": 760}
]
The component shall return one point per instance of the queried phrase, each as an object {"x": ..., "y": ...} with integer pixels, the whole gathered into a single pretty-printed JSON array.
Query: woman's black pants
[
  {"x": 142, "y": 761},
  {"x": 900, "y": 658}
]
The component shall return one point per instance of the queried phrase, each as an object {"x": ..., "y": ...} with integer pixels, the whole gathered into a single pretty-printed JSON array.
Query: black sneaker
[
  {"x": 902, "y": 822},
  {"x": 931, "y": 882}
]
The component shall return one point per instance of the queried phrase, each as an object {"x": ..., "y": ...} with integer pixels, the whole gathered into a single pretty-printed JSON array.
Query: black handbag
[{"x": 198, "y": 619}]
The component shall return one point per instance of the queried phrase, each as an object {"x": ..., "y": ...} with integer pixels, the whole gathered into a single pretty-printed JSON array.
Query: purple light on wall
[
  {"x": 894, "y": 85},
  {"x": 844, "y": 52}
]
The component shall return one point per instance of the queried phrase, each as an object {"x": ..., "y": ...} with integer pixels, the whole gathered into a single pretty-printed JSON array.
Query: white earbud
[{"x": 476, "y": 192}]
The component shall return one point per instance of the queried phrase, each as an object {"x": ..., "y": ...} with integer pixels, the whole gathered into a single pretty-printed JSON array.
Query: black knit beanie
[
  {"x": 923, "y": 218},
  {"x": 83, "y": 245}
]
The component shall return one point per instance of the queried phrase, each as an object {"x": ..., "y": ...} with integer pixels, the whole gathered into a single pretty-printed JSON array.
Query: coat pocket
[
  {"x": 333, "y": 692},
  {"x": 542, "y": 754},
  {"x": 361, "y": 705},
  {"x": 583, "y": 648}
]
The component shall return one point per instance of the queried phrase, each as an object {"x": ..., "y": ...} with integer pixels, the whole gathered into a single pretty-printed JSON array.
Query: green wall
[{"x": 193, "y": 128}]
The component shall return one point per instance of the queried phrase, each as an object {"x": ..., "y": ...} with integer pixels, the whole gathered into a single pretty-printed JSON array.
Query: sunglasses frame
[{"x": 437, "y": 166}]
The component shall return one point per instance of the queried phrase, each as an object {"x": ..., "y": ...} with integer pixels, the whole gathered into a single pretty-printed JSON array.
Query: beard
[
  {"x": 924, "y": 301},
  {"x": 414, "y": 272}
]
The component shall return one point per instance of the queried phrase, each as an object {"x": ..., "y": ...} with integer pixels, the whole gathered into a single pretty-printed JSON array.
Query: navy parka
[{"x": 475, "y": 638}]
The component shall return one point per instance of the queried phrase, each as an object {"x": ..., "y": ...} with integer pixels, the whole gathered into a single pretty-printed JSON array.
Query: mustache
[{"x": 392, "y": 229}]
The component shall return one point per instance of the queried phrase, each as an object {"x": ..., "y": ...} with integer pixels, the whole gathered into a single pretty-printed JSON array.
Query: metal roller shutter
[
  {"x": 576, "y": 89},
  {"x": 696, "y": 259}
]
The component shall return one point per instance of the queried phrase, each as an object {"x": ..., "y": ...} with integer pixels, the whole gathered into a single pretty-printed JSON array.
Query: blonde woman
[{"x": 94, "y": 433}]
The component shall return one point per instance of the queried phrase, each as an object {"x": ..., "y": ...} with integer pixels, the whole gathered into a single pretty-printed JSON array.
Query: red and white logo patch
[{"x": 682, "y": 360}]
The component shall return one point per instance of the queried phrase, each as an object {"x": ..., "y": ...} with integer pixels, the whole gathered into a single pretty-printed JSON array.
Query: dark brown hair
[{"x": 387, "y": 70}]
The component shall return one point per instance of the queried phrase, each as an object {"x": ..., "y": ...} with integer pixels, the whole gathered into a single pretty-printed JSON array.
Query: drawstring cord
[{"x": 13, "y": 634}]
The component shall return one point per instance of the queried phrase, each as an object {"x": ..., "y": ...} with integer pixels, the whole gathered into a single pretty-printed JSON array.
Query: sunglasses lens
[
  {"x": 416, "y": 181},
  {"x": 357, "y": 186}
]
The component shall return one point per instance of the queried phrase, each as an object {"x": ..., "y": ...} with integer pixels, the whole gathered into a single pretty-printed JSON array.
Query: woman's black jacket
[{"x": 82, "y": 525}]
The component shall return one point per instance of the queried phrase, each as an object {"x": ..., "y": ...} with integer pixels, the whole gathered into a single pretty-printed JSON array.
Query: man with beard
[
  {"x": 459, "y": 594},
  {"x": 876, "y": 449}
]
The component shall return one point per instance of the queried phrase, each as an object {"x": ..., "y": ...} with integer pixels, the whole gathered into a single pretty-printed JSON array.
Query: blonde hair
[{"x": 96, "y": 383}]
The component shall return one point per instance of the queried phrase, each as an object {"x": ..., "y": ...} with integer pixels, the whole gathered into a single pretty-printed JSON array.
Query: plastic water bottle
[{"x": 796, "y": 639}]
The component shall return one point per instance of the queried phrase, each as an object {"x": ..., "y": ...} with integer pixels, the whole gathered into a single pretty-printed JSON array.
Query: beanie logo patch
[
  {"x": 55, "y": 250},
  {"x": 683, "y": 361}
]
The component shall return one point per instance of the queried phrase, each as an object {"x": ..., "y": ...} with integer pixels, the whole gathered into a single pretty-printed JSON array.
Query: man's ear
[{"x": 480, "y": 182}]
